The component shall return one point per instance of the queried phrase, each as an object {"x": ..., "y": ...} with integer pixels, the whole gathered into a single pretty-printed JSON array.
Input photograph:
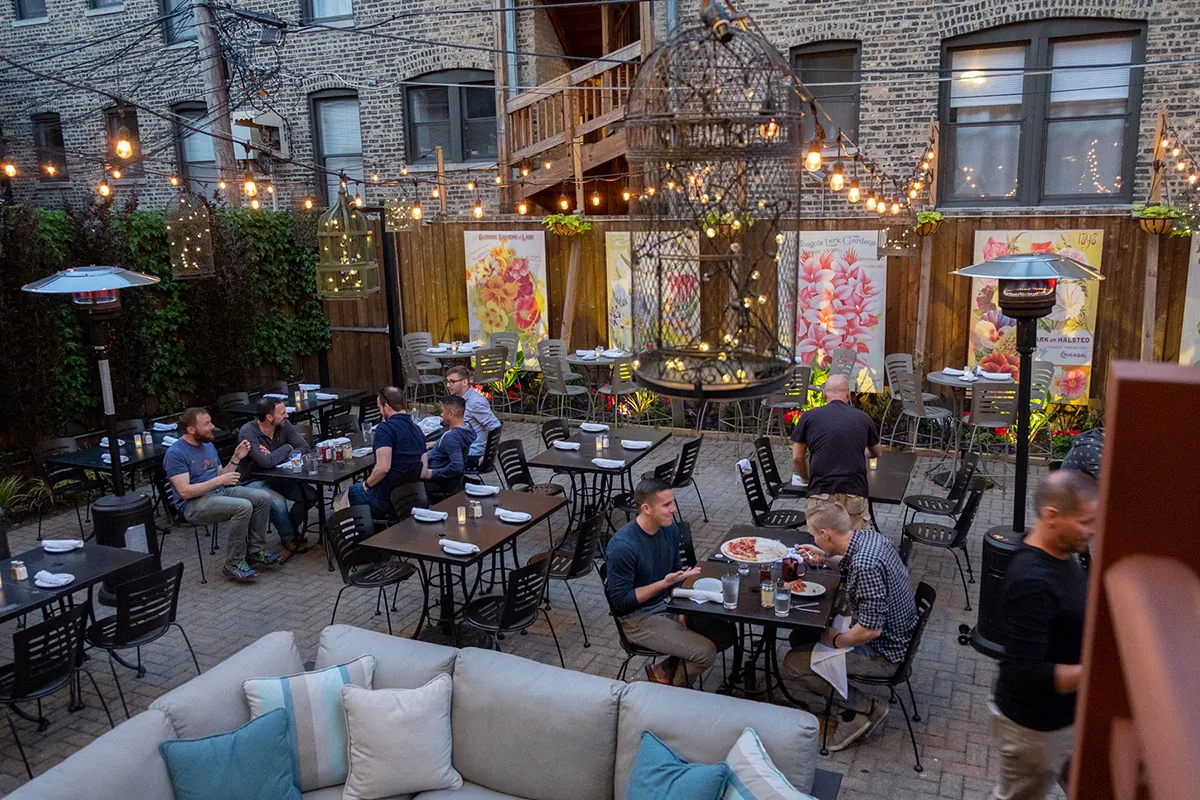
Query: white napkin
[
  {"x": 52, "y": 580},
  {"x": 359, "y": 452},
  {"x": 592, "y": 427},
  {"x": 107, "y": 458},
  {"x": 309, "y": 387},
  {"x": 512, "y": 516},
  {"x": 275, "y": 395},
  {"x": 952, "y": 371},
  {"x": 635, "y": 444},
  {"x": 428, "y": 515},
  {"x": 445, "y": 345},
  {"x": 608, "y": 463},
  {"x": 563, "y": 445},
  {"x": 830, "y": 663},
  {"x": 582, "y": 353},
  {"x": 340, "y": 440},
  {"x": 481, "y": 490},
  {"x": 325, "y": 396},
  {"x": 61, "y": 545},
  {"x": 104, "y": 442},
  {"x": 458, "y": 548},
  {"x": 744, "y": 466},
  {"x": 468, "y": 347},
  {"x": 169, "y": 440},
  {"x": 165, "y": 426},
  {"x": 613, "y": 353},
  {"x": 995, "y": 376},
  {"x": 698, "y": 596},
  {"x": 969, "y": 378},
  {"x": 589, "y": 355},
  {"x": 798, "y": 481}
]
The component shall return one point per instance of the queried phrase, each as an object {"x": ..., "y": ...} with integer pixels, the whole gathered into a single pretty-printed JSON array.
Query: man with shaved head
[
  {"x": 840, "y": 438},
  {"x": 1042, "y": 609}
]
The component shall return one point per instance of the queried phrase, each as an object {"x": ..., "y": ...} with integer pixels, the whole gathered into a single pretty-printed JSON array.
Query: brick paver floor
[{"x": 952, "y": 682}]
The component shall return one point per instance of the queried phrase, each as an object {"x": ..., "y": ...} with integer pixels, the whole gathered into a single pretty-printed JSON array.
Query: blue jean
[
  {"x": 360, "y": 495},
  {"x": 281, "y": 492}
]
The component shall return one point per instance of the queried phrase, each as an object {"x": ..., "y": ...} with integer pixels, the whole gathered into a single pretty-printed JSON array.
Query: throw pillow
[
  {"x": 400, "y": 740},
  {"x": 316, "y": 722},
  {"x": 755, "y": 776},
  {"x": 251, "y": 763},
  {"x": 660, "y": 774}
]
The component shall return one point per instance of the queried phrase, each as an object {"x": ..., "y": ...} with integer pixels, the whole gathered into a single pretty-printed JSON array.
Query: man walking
[
  {"x": 478, "y": 417},
  {"x": 206, "y": 492},
  {"x": 840, "y": 438},
  {"x": 1044, "y": 599},
  {"x": 446, "y": 461},
  {"x": 273, "y": 440}
]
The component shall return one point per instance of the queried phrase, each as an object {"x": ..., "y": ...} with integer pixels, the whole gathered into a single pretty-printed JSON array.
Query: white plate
[
  {"x": 707, "y": 585},
  {"x": 767, "y": 550},
  {"x": 49, "y": 548},
  {"x": 811, "y": 589}
]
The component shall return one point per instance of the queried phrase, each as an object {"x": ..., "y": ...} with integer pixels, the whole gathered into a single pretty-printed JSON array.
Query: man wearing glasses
[{"x": 478, "y": 417}]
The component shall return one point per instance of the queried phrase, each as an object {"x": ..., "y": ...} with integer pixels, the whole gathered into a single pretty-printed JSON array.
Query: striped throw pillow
[
  {"x": 755, "y": 776},
  {"x": 316, "y": 718}
]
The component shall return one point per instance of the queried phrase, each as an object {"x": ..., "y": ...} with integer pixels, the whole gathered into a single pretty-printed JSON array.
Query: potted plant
[
  {"x": 928, "y": 222},
  {"x": 567, "y": 224},
  {"x": 1156, "y": 218}
]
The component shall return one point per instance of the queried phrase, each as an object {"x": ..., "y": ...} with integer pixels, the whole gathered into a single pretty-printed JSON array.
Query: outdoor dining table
[
  {"x": 593, "y": 365},
  {"x": 91, "y": 564},
  {"x": 411, "y": 538},
  {"x": 303, "y": 408},
  {"x": 140, "y": 456},
  {"x": 958, "y": 394},
  {"x": 589, "y": 500},
  {"x": 887, "y": 481}
]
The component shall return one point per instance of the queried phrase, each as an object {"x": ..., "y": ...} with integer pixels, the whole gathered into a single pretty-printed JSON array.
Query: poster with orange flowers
[
  {"x": 1065, "y": 337},
  {"x": 506, "y": 286}
]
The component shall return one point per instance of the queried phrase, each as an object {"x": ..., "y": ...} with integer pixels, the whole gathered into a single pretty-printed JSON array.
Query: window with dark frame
[
  {"x": 830, "y": 71},
  {"x": 194, "y": 144},
  {"x": 105, "y": 3},
  {"x": 30, "y": 9},
  {"x": 457, "y": 111},
  {"x": 327, "y": 10},
  {"x": 337, "y": 140},
  {"x": 180, "y": 25},
  {"x": 1041, "y": 113},
  {"x": 121, "y": 122},
  {"x": 49, "y": 147}
]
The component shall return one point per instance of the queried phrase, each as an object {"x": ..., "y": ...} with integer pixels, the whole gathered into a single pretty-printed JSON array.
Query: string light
[
  {"x": 116, "y": 173},
  {"x": 249, "y": 187},
  {"x": 871, "y": 200},
  {"x": 477, "y": 210},
  {"x": 403, "y": 169},
  {"x": 173, "y": 180},
  {"x": 912, "y": 194},
  {"x": 524, "y": 172},
  {"x": 564, "y": 203},
  {"x": 375, "y": 177},
  {"x": 123, "y": 147},
  {"x": 1193, "y": 178},
  {"x": 470, "y": 186},
  {"x": 415, "y": 212},
  {"x": 1180, "y": 165},
  {"x": 595, "y": 198},
  {"x": 769, "y": 129},
  {"x": 837, "y": 177},
  {"x": 650, "y": 190},
  {"x": 499, "y": 180},
  {"x": 221, "y": 184},
  {"x": 10, "y": 169},
  {"x": 103, "y": 188},
  {"x": 812, "y": 161},
  {"x": 853, "y": 194},
  {"x": 547, "y": 164},
  {"x": 358, "y": 200},
  {"x": 895, "y": 208},
  {"x": 308, "y": 203},
  {"x": 436, "y": 193},
  {"x": 625, "y": 195},
  {"x": 522, "y": 208},
  {"x": 254, "y": 204},
  {"x": 270, "y": 188}
]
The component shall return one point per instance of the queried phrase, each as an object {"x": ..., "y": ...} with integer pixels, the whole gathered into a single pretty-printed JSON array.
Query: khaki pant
[
  {"x": 856, "y": 507},
  {"x": 246, "y": 510},
  {"x": 1030, "y": 761},
  {"x": 697, "y": 644},
  {"x": 797, "y": 666}
]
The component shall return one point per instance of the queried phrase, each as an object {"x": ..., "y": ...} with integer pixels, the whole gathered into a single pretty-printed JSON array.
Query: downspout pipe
[
  {"x": 672, "y": 17},
  {"x": 510, "y": 44}
]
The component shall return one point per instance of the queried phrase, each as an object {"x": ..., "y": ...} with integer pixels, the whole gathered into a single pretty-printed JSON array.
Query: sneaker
[
  {"x": 849, "y": 731},
  {"x": 239, "y": 571},
  {"x": 263, "y": 559},
  {"x": 876, "y": 716},
  {"x": 296, "y": 546}
]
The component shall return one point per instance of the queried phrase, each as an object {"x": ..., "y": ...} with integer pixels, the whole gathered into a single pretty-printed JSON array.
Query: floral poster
[
  {"x": 1065, "y": 337},
  {"x": 677, "y": 254},
  {"x": 620, "y": 290},
  {"x": 1189, "y": 342},
  {"x": 840, "y": 301},
  {"x": 506, "y": 286}
]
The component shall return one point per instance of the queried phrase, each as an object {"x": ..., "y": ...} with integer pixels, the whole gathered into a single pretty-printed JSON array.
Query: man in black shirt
[
  {"x": 841, "y": 438},
  {"x": 1045, "y": 594}
]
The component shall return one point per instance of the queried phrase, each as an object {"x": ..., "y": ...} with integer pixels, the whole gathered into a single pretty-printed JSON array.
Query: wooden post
[
  {"x": 216, "y": 98},
  {"x": 572, "y": 281},
  {"x": 441, "y": 177},
  {"x": 577, "y": 162},
  {"x": 935, "y": 136},
  {"x": 501, "y": 61},
  {"x": 1150, "y": 285},
  {"x": 920, "y": 356},
  {"x": 646, "y": 28}
]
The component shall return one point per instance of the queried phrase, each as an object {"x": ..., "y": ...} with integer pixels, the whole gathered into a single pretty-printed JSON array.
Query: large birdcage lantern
[
  {"x": 714, "y": 134},
  {"x": 347, "y": 269},
  {"x": 189, "y": 237}
]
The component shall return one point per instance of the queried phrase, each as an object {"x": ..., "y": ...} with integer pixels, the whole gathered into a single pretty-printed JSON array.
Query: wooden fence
[{"x": 431, "y": 278}]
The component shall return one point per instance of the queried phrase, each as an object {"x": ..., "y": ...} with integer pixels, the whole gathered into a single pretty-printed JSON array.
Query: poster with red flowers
[
  {"x": 506, "y": 286},
  {"x": 841, "y": 294},
  {"x": 1189, "y": 341},
  {"x": 1065, "y": 337}
]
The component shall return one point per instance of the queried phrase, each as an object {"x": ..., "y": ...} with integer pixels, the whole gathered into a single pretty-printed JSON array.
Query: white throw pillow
[
  {"x": 757, "y": 777},
  {"x": 399, "y": 740}
]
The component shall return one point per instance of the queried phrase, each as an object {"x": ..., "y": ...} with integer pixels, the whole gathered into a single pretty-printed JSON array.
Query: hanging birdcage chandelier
[
  {"x": 189, "y": 237},
  {"x": 900, "y": 237},
  {"x": 346, "y": 269},
  {"x": 714, "y": 132}
]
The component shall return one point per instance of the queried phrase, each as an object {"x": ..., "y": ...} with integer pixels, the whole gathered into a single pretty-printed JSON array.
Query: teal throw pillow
[
  {"x": 252, "y": 763},
  {"x": 660, "y": 774}
]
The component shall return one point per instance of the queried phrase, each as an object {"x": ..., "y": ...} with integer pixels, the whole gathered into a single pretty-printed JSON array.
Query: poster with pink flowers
[
  {"x": 1189, "y": 341},
  {"x": 506, "y": 286},
  {"x": 1065, "y": 337},
  {"x": 841, "y": 294}
]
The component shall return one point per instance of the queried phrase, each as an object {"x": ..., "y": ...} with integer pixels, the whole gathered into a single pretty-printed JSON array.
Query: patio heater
[
  {"x": 1026, "y": 292},
  {"x": 95, "y": 295}
]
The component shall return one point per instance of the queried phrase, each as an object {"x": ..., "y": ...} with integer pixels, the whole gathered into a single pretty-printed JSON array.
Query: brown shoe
[{"x": 655, "y": 673}]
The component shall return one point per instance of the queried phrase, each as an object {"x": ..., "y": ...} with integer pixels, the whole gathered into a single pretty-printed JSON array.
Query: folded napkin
[
  {"x": 564, "y": 445},
  {"x": 970, "y": 377},
  {"x": 635, "y": 444},
  {"x": 104, "y": 442},
  {"x": 589, "y": 355},
  {"x": 467, "y": 347},
  {"x": 430, "y": 424},
  {"x": 481, "y": 490},
  {"x": 446, "y": 345},
  {"x": 798, "y": 481},
  {"x": 165, "y": 426},
  {"x": 309, "y": 387},
  {"x": 614, "y": 353},
  {"x": 169, "y": 440},
  {"x": 52, "y": 580},
  {"x": 429, "y": 515},
  {"x": 608, "y": 463},
  {"x": 744, "y": 466},
  {"x": 61, "y": 545},
  {"x": 440, "y": 349},
  {"x": 325, "y": 396},
  {"x": 107, "y": 458},
  {"x": 275, "y": 395},
  {"x": 512, "y": 516},
  {"x": 698, "y": 596},
  {"x": 829, "y": 662},
  {"x": 458, "y": 548},
  {"x": 582, "y": 353},
  {"x": 359, "y": 452},
  {"x": 952, "y": 371},
  {"x": 995, "y": 376},
  {"x": 290, "y": 409},
  {"x": 592, "y": 427}
]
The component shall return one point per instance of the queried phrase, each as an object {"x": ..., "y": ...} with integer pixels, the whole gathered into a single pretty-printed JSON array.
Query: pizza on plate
[
  {"x": 745, "y": 548},
  {"x": 754, "y": 549}
]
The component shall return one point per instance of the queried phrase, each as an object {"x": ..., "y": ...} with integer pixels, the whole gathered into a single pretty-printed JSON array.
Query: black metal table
[
  {"x": 91, "y": 564},
  {"x": 304, "y": 408},
  {"x": 141, "y": 457}
]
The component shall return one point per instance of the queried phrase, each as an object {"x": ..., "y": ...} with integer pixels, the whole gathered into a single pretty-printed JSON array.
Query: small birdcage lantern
[
  {"x": 397, "y": 215},
  {"x": 346, "y": 269},
  {"x": 900, "y": 238},
  {"x": 189, "y": 237}
]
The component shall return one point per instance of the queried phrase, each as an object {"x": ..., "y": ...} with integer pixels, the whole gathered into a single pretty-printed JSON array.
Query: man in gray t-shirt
[
  {"x": 273, "y": 440},
  {"x": 478, "y": 417}
]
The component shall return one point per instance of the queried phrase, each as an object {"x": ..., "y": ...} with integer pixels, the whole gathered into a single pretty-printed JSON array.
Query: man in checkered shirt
[{"x": 883, "y": 617}]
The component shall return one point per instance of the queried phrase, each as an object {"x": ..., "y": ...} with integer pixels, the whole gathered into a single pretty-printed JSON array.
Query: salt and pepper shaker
[
  {"x": 19, "y": 570},
  {"x": 147, "y": 438}
]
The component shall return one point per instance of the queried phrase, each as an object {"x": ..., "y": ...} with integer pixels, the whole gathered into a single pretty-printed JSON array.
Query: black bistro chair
[
  {"x": 760, "y": 508},
  {"x": 487, "y": 462},
  {"x": 362, "y": 567},
  {"x": 517, "y": 609},
  {"x": 631, "y": 650},
  {"x": 47, "y": 657},
  {"x": 952, "y": 504},
  {"x": 176, "y": 520},
  {"x": 574, "y": 558},
  {"x": 680, "y": 473},
  {"x": 69, "y": 482},
  {"x": 145, "y": 613},
  {"x": 770, "y": 472},
  {"x": 946, "y": 537}
]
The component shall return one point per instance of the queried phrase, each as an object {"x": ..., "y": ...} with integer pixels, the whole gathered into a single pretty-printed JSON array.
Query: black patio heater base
[
  {"x": 1000, "y": 544},
  {"x": 126, "y": 521}
]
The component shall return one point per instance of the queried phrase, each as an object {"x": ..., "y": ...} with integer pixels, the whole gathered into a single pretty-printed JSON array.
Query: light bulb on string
[
  {"x": 375, "y": 177},
  {"x": 912, "y": 194},
  {"x": 881, "y": 206},
  {"x": 415, "y": 212},
  {"x": 308, "y": 202},
  {"x": 870, "y": 201},
  {"x": 918, "y": 185},
  {"x": 10, "y": 169},
  {"x": 435, "y": 193},
  {"x": 1192, "y": 178},
  {"x": 116, "y": 173},
  {"x": 837, "y": 177},
  {"x": 853, "y": 194},
  {"x": 1166, "y": 142},
  {"x": 123, "y": 147},
  {"x": 499, "y": 180},
  {"x": 930, "y": 154},
  {"x": 173, "y": 180},
  {"x": 403, "y": 169},
  {"x": 812, "y": 161},
  {"x": 625, "y": 195},
  {"x": 103, "y": 188},
  {"x": 564, "y": 204},
  {"x": 595, "y": 198},
  {"x": 255, "y": 205},
  {"x": 249, "y": 187},
  {"x": 547, "y": 165},
  {"x": 470, "y": 186},
  {"x": 524, "y": 172},
  {"x": 478, "y": 210},
  {"x": 650, "y": 190},
  {"x": 221, "y": 184},
  {"x": 270, "y": 188},
  {"x": 769, "y": 129},
  {"x": 1175, "y": 151},
  {"x": 522, "y": 208},
  {"x": 358, "y": 200},
  {"x": 895, "y": 208},
  {"x": 1180, "y": 165}
]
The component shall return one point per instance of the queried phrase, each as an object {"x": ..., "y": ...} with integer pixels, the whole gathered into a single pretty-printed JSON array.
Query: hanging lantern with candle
[
  {"x": 189, "y": 237},
  {"x": 347, "y": 269},
  {"x": 397, "y": 215},
  {"x": 713, "y": 313}
]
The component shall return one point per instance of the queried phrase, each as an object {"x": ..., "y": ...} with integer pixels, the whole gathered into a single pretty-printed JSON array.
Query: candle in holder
[
  {"x": 462, "y": 515},
  {"x": 599, "y": 443},
  {"x": 298, "y": 396},
  {"x": 874, "y": 462}
]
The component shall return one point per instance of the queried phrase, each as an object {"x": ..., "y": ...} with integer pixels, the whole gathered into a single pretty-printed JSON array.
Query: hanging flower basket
[
  {"x": 567, "y": 224},
  {"x": 1156, "y": 218},
  {"x": 928, "y": 222},
  {"x": 1157, "y": 225}
]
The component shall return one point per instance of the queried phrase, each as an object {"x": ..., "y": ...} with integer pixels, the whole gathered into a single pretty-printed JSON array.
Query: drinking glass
[
  {"x": 743, "y": 568},
  {"x": 310, "y": 462},
  {"x": 767, "y": 591},
  {"x": 783, "y": 599},
  {"x": 731, "y": 584}
]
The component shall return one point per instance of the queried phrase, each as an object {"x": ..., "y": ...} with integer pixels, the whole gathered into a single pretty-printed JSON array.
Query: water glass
[
  {"x": 783, "y": 599},
  {"x": 310, "y": 462},
  {"x": 731, "y": 584}
]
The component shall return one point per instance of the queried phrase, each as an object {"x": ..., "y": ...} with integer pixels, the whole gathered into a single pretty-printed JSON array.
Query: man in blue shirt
[
  {"x": 399, "y": 449},
  {"x": 643, "y": 566},
  {"x": 447, "y": 459},
  {"x": 206, "y": 492},
  {"x": 478, "y": 417}
]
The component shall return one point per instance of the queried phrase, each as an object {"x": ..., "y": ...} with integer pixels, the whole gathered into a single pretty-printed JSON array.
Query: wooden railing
[{"x": 575, "y": 104}]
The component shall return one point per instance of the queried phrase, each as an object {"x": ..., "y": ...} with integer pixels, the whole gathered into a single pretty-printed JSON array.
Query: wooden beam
[
  {"x": 577, "y": 162},
  {"x": 441, "y": 177},
  {"x": 919, "y": 352},
  {"x": 572, "y": 283},
  {"x": 646, "y": 29},
  {"x": 1150, "y": 281},
  {"x": 501, "y": 72}
]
